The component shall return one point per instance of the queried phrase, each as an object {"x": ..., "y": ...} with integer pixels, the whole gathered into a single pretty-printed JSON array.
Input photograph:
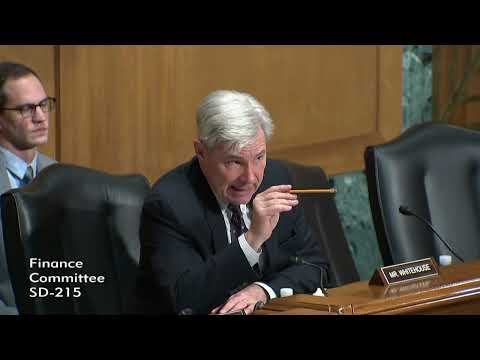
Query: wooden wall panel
[
  {"x": 41, "y": 59},
  {"x": 132, "y": 108}
]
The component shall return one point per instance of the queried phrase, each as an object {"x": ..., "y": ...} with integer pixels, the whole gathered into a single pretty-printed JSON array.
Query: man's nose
[
  {"x": 249, "y": 174},
  {"x": 39, "y": 115}
]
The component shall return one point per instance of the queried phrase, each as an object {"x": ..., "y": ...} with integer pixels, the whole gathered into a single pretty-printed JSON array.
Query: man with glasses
[{"x": 24, "y": 115}]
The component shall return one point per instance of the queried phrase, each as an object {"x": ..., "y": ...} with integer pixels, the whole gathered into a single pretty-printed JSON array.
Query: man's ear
[{"x": 199, "y": 149}]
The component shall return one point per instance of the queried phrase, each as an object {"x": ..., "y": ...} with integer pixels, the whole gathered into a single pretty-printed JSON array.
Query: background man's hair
[{"x": 12, "y": 71}]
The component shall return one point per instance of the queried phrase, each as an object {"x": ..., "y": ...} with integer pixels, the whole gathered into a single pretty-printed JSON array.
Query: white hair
[{"x": 232, "y": 118}]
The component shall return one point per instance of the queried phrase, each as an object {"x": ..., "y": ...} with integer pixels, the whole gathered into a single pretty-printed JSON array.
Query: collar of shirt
[
  {"x": 17, "y": 166},
  {"x": 225, "y": 210},
  {"x": 227, "y": 215}
]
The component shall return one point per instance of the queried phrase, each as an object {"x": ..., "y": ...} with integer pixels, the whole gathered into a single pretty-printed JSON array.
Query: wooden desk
[
  {"x": 294, "y": 311},
  {"x": 456, "y": 290}
]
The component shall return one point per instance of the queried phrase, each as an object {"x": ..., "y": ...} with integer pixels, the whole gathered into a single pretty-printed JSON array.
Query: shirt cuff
[
  {"x": 250, "y": 253},
  {"x": 268, "y": 289}
]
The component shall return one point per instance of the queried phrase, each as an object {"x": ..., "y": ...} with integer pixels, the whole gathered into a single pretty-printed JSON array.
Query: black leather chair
[
  {"x": 322, "y": 215},
  {"x": 434, "y": 170},
  {"x": 72, "y": 213}
]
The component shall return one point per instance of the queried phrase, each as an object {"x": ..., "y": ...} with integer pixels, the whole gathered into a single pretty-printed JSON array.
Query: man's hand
[
  {"x": 267, "y": 207},
  {"x": 245, "y": 300}
]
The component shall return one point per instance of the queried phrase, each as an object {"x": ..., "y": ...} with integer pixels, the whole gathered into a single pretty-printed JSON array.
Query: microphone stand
[
  {"x": 406, "y": 211},
  {"x": 298, "y": 260}
]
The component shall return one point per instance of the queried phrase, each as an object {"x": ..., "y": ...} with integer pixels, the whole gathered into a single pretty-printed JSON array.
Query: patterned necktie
[
  {"x": 28, "y": 176},
  {"x": 237, "y": 225},
  {"x": 237, "y": 228}
]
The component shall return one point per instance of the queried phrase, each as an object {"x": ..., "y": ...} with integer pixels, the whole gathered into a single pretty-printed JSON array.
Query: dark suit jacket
[{"x": 186, "y": 261}]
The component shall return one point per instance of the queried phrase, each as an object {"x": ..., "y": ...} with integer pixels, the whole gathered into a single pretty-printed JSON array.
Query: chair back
[
  {"x": 69, "y": 225},
  {"x": 434, "y": 170},
  {"x": 322, "y": 215}
]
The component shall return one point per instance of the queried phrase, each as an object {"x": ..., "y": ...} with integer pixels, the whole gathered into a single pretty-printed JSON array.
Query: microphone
[
  {"x": 404, "y": 210},
  {"x": 299, "y": 261},
  {"x": 186, "y": 311}
]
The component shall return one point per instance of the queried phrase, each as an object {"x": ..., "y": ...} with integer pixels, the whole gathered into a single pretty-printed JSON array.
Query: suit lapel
[
  {"x": 4, "y": 181},
  {"x": 219, "y": 230},
  {"x": 43, "y": 162},
  {"x": 213, "y": 214}
]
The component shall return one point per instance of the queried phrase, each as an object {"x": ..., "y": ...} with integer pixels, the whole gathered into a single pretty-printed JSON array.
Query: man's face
[
  {"x": 234, "y": 176},
  {"x": 15, "y": 130}
]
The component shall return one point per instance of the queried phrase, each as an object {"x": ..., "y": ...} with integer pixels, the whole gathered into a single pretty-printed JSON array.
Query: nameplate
[{"x": 399, "y": 273}]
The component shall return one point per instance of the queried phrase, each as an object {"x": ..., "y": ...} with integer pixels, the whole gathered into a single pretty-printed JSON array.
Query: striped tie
[{"x": 237, "y": 225}]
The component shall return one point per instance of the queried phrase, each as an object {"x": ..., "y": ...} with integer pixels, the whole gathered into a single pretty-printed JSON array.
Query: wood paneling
[
  {"x": 40, "y": 59},
  {"x": 132, "y": 108}
]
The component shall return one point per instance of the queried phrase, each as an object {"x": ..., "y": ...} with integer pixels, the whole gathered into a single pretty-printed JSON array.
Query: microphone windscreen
[
  {"x": 186, "y": 311},
  {"x": 294, "y": 260},
  {"x": 404, "y": 210}
]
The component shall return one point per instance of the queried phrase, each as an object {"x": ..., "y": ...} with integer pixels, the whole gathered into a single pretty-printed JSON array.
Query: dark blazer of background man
[
  {"x": 186, "y": 259},
  {"x": 24, "y": 117}
]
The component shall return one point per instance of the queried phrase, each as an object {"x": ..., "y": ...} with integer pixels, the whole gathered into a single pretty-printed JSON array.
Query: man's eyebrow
[{"x": 233, "y": 156}]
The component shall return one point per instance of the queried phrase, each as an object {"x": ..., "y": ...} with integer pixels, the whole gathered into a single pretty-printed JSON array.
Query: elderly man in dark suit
[
  {"x": 24, "y": 115},
  {"x": 217, "y": 232}
]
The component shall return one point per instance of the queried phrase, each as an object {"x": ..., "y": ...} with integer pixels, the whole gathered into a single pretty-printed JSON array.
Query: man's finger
[
  {"x": 273, "y": 202},
  {"x": 276, "y": 206},
  {"x": 230, "y": 305},
  {"x": 280, "y": 188},
  {"x": 276, "y": 195},
  {"x": 249, "y": 309},
  {"x": 274, "y": 210},
  {"x": 214, "y": 311}
]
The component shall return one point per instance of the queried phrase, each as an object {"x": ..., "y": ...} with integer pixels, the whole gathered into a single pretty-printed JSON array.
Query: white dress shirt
[{"x": 252, "y": 256}]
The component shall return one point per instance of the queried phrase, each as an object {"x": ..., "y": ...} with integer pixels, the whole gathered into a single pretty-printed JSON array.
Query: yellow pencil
[{"x": 313, "y": 191}]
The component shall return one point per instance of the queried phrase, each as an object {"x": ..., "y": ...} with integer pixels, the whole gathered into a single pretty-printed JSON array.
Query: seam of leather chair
[
  {"x": 379, "y": 195},
  {"x": 15, "y": 200},
  {"x": 371, "y": 167}
]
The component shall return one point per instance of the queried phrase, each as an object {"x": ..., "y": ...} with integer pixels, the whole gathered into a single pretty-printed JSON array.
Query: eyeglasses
[{"x": 29, "y": 110}]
